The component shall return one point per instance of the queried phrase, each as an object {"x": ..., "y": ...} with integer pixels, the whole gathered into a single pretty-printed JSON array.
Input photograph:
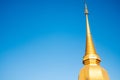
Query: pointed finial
[
  {"x": 90, "y": 52},
  {"x": 86, "y": 9}
]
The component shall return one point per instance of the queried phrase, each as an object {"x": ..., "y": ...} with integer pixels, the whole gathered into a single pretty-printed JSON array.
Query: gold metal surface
[
  {"x": 92, "y": 69},
  {"x": 90, "y": 51}
]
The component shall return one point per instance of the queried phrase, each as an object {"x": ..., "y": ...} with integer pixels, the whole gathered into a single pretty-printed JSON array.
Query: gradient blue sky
[{"x": 45, "y": 39}]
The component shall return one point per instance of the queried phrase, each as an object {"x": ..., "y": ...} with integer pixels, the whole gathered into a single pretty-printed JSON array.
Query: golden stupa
[{"x": 92, "y": 69}]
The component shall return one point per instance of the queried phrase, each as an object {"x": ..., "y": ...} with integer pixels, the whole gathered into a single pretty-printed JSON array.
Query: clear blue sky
[{"x": 45, "y": 39}]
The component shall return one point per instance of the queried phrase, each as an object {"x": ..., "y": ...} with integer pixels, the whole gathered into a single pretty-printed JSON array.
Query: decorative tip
[
  {"x": 86, "y": 9},
  {"x": 85, "y": 5},
  {"x": 90, "y": 52}
]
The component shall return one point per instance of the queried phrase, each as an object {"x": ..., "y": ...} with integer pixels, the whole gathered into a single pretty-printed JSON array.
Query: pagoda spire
[
  {"x": 90, "y": 51},
  {"x": 92, "y": 69}
]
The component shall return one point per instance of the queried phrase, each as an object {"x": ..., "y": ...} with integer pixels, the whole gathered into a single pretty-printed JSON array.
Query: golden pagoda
[{"x": 92, "y": 69}]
